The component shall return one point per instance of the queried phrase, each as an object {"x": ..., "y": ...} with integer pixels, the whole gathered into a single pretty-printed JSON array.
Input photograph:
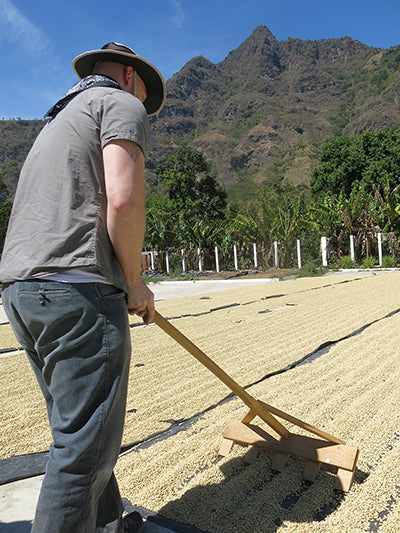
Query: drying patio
[{"x": 323, "y": 349}]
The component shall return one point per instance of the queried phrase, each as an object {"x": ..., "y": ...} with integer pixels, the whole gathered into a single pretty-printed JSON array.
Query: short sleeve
[{"x": 124, "y": 117}]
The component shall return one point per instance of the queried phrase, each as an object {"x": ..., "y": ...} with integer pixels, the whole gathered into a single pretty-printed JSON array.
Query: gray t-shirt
[{"x": 58, "y": 220}]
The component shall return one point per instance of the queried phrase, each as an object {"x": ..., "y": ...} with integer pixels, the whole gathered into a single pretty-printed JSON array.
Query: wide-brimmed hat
[{"x": 153, "y": 80}]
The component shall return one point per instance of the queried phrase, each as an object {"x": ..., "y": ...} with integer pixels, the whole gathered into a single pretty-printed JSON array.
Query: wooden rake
[{"x": 315, "y": 451}]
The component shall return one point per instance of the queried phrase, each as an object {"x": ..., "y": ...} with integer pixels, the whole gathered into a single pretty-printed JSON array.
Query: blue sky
[{"x": 39, "y": 39}]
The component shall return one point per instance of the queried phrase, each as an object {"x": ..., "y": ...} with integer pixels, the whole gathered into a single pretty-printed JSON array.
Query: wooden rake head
[{"x": 330, "y": 450}]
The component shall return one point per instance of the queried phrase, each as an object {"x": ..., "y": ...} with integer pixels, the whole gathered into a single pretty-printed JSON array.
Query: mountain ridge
[
  {"x": 265, "y": 111},
  {"x": 269, "y": 106}
]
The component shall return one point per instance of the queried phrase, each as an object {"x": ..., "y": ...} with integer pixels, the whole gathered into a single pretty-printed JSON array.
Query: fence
[{"x": 253, "y": 256}]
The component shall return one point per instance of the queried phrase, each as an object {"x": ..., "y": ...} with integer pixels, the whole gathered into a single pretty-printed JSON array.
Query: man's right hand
[{"x": 141, "y": 301}]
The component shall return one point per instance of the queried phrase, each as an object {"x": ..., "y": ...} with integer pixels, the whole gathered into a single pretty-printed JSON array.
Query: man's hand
[{"x": 141, "y": 301}]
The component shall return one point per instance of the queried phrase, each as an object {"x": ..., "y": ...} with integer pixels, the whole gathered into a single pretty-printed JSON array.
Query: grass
[
  {"x": 369, "y": 262},
  {"x": 388, "y": 261},
  {"x": 310, "y": 269},
  {"x": 346, "y": 262}
]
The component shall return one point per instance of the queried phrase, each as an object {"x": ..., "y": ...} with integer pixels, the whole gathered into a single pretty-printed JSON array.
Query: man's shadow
[{"x": 255, "y": 499}]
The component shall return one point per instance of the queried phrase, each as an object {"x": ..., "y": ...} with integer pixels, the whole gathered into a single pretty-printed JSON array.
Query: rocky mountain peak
[
  {"x": 265, "y": 111},
  {"x": 258, "y": 53}
]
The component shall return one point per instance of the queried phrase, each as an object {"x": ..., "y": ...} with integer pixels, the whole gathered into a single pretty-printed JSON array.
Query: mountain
[
  {"x": 265, "y": 111},
  {"x": 16, "y": 138},
  {"x": 269, "y": 106}
]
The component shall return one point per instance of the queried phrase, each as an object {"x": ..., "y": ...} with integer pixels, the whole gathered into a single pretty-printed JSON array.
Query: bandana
[{"x": 94, "y": 80}]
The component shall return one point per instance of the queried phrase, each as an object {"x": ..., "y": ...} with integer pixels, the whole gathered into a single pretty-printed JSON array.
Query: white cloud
[
  {"x": 179, "y": 15},
  {"x": 16, "y": 28}
]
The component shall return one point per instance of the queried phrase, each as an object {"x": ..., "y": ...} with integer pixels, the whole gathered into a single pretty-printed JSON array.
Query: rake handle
[{"x": 251, "y": 402}]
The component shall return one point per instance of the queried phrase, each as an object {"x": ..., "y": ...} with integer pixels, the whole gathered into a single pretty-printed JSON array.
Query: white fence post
[
  {"x": 152, "y": 260},
  {"x": 352, "y": 255},
  {"x": 235, "y": 256},
  {"x": 324, "y": 250},
  {"x": 216, "y": 259},
  {"x": 183, "y": 260},
  {"x": 200, "y": 261},
  {"x": 255, "y": 255},
  {"x": 167, "y": 261},
  {"x": 298, "y": 253},
  {"x": 380, "y": 248},
  {"x": 276, "y": 254}
]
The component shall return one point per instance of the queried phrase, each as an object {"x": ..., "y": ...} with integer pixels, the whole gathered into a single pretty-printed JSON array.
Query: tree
[
  {"x": 356, "y": 189},
  {"x": 339, "y": 217},
  {"x": 276, "y": 214},
  {"x": 371, "y": 159},
  {"x": 287, "y": 224},
  {"x": 159, "y": 228},
  {"x": 195, "y": 198}
]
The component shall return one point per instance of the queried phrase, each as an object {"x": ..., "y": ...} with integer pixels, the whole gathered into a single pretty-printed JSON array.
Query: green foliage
[
  {"x": 3, "y": 188},
  {"x": 369, "y": 262},
  {"x": 346, "y": 262},
  {"x": 372, "y": 159},
  {"x": 379, "y": 77},
  {"x": 243, "y": 124},
  {"x": 388, "y": 261},
  {"x": 278, "y": 211},
  {"x": 195, "y": 206},
  {"x": 391, "y": 59},
  {"x": 160, "y": 231},
  {"x": 276, "y": 214},
  {"x": 16, "y": 139},
  {"x": 341, "y": 164},
  {"x": 245, "y": 189},
  {"x": 150, "y": 279},
  {"x": 192, "y": 191},
  {"x": 356, "y": 191},
  {"x": 5, "y": 211},
  {"x": 12, "y": 169},
  {"x": 311, "y": 268},
  {"x": 339, "y": 118}
]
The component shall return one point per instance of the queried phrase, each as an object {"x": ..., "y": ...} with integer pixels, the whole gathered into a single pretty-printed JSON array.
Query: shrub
[
  {"x": 346, "y": 262},
  {"x": 369, "y": 262},
  {"x": 388, "y": 261},
  {"x": 310, "y": 268}
]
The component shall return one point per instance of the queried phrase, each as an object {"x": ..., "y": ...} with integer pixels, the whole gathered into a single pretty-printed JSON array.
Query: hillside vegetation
[{"x": 264, "y": 112}]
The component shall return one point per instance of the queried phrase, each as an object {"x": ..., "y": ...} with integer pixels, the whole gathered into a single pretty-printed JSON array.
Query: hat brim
[{"x": 155, "y": 86}]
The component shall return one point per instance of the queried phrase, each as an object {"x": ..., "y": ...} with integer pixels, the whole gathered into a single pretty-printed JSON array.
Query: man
[{"x": 71, "y": 267}]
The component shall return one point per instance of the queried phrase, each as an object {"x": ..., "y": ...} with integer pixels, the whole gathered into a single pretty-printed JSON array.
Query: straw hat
[{"x": 153, "y": 80}]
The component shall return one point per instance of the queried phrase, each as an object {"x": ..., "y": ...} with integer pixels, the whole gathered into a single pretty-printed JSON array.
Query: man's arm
[{"x": 125, "y": 189}]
